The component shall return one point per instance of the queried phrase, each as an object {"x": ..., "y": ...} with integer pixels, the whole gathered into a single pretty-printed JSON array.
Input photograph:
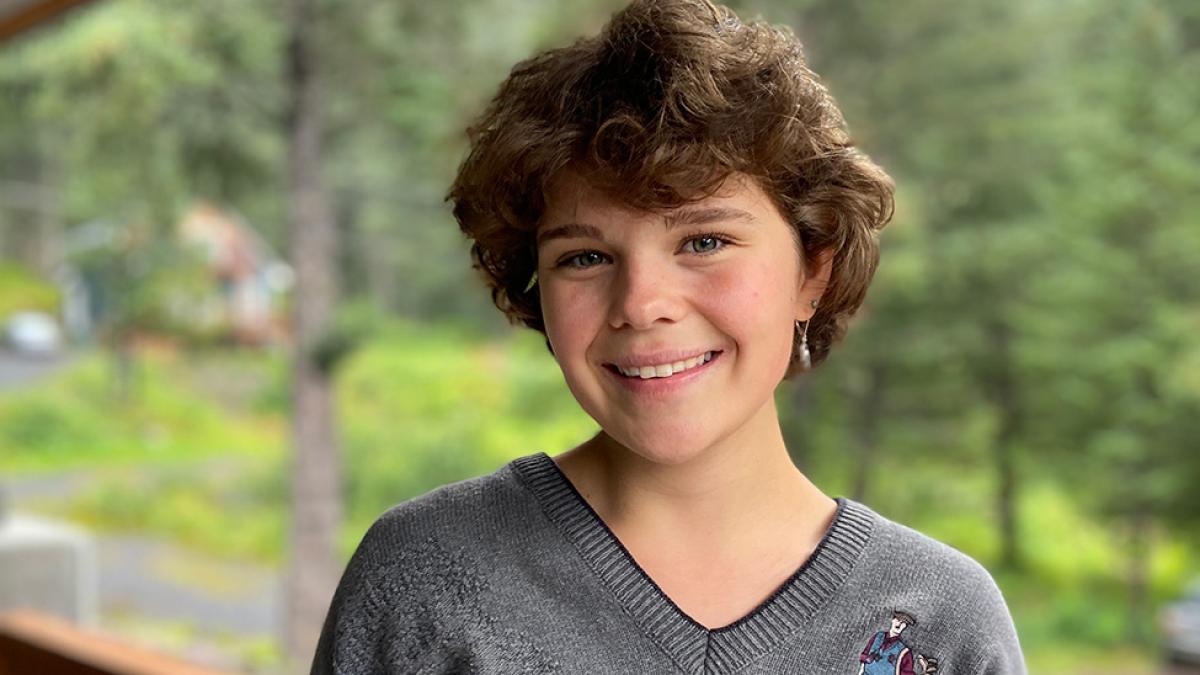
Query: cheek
[
  {"x": 754, "y": 303},
  {"x": 568, "y": 315},
  {"x": 751, "y": 295}
]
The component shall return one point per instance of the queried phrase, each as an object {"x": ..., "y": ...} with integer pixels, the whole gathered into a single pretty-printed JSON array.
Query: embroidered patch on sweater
[{"x": 888, "y": 653}]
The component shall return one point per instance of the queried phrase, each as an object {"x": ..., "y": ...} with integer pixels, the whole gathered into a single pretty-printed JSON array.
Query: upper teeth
[{"x": 666, "y": 369}]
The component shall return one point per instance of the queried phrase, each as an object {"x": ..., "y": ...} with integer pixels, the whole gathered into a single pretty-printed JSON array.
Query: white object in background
[
  {"x": 49, "y": 567},
  {"x": 33, "y": 332}
]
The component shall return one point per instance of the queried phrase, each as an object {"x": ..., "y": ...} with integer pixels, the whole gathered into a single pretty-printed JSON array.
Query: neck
[{"x": 738, "y": 495}]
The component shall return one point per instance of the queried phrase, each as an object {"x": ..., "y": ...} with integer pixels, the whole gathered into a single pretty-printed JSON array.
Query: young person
[{"x": 676, "y": 205}]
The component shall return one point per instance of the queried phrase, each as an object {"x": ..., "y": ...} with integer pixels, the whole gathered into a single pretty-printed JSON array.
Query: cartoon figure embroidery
[{"x": 888, "y": 654}]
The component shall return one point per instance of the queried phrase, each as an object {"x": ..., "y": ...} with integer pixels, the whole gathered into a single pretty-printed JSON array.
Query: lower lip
[{"x": 661, "y": 386}]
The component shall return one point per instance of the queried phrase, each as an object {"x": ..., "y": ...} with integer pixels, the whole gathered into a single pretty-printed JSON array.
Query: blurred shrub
[
  {"x": 1090, "y": 612},
  {"x": 75, "y": 419},
  {"x": 421, "y": 406},
  {"x": 20, "y": 290},
  {"x": 210, "y": 513},
  {"x": 418, "y": 407}
]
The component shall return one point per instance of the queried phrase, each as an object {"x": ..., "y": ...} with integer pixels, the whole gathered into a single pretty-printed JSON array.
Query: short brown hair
[{"x": 670, "y": 99}]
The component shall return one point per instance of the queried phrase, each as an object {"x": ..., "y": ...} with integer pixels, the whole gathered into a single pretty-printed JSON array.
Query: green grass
[
  {"x": 79, "y": 418},
  {"x": 1070, "y": 659},
  {"x": 233, "y": 517},
  {"x": 22, "y": 290}
]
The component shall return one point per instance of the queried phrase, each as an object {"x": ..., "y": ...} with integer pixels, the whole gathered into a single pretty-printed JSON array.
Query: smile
[
  {"x": 660, "y": 385},
  {"x": 666, "y": 369}
]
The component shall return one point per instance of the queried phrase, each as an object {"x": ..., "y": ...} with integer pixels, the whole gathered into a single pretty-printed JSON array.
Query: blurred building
[
  {"x": 248, "y": 278},
  {"x": 240, "y": 300}
]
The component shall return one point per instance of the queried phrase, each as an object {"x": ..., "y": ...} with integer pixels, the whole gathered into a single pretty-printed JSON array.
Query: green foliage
[
  {"x": 1127, "y": 268},
  {"x": 1090, "y": 615},
  {"x": 353, "y": 324},
  {"x": 21, "y": 290},
  {"x": 143, "y": 283},
  {"x": 135, "y": 104},
  {"x": 75, "y": 420},
  {"x": 219, "y": 513},
  {"x": 427, "y": 406},
  {"x": 419, "y": 407}
]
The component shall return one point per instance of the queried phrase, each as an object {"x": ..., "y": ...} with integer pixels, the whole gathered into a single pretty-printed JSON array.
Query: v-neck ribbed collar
[{"x": 693, "y": 647}]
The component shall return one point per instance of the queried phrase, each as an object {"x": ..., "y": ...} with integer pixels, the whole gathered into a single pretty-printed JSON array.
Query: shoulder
[
  {"x": 961, "y": 605},
  {"x": 418, "y": 560},
  {"x": 899, "y": 556},
  {"x": 431, "y": 545},
  {"x": 467, "y": 512},
  {"x": 915, "y": 552}
]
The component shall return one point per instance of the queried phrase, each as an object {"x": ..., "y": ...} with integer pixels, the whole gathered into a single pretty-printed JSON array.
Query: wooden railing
[
  {"x": 33, "y": 643},
  {"x": 21, "y": 16}
]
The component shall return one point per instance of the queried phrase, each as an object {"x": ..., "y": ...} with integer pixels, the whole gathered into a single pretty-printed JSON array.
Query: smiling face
[{"x": 722, "y": 274}]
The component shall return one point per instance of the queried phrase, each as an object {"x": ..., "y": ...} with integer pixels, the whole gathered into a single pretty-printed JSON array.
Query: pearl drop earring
[{"x": 805, "y": 356}]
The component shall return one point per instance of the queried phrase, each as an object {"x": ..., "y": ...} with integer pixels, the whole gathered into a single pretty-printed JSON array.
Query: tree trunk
[
  {"x": 1006, "y": 499},
  {"x": 124, "y": 365},
  {"x": 1141, "y": 509},
  {"x": 1139, "y": 573},
  {"x": 316, "y": 500},
  {"x": 51, "y": 239},
  {"x": 1005, "y": 397},
  {"x": 870, "y": 412}
]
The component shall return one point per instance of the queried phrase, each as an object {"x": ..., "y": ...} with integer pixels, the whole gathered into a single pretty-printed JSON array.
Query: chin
[
  {"x": 666, "y": 448},
  {"x": 666, "y": 458}
]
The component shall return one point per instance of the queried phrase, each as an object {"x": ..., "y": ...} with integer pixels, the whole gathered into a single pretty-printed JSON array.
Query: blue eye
[
  {"x": 706, "y": 238},
  {"x": 565, "y": 261},
  {"x": 720, "y": 242}
]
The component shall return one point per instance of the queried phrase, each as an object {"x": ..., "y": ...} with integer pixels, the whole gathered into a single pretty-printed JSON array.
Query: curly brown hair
[{"x": 669, "y": 100}]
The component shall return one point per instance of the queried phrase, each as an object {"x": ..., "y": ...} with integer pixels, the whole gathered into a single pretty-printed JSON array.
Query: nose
[{"x": 644, "y": 292}]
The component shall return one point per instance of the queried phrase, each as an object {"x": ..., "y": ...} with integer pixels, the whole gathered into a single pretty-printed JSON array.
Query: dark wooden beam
[
  {"x": 31, "y": 14},
  {"x": 36, "y": 643}
]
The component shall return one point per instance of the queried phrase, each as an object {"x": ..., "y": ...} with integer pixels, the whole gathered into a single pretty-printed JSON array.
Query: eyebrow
[{"x": 682, "y": 217}]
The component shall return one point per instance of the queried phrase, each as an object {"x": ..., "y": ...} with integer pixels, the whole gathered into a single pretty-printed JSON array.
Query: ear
[{"x": 813, "y": 284}]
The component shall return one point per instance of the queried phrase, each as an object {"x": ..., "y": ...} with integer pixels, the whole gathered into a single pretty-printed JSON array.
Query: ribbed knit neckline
[{"x": 694, "y": 648}]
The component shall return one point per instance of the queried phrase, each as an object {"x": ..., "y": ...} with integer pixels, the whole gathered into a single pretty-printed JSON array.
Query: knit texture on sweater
[{"x": 514, "y": 572}]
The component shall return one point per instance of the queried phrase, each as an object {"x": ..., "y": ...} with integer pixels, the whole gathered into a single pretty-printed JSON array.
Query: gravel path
[{"x": 158, "y": 580}]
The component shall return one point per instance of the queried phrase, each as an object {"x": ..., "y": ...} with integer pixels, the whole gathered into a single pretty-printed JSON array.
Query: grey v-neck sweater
[{"x": 514, "y": 572}]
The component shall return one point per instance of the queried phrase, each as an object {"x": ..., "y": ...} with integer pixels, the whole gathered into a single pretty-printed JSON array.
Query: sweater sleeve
[
  {"x": 343, "y": 622},
  {"x": 999, "y": 650},
  {"x": 388, "y": 613},
  {"x": 351, "y": 633}
]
